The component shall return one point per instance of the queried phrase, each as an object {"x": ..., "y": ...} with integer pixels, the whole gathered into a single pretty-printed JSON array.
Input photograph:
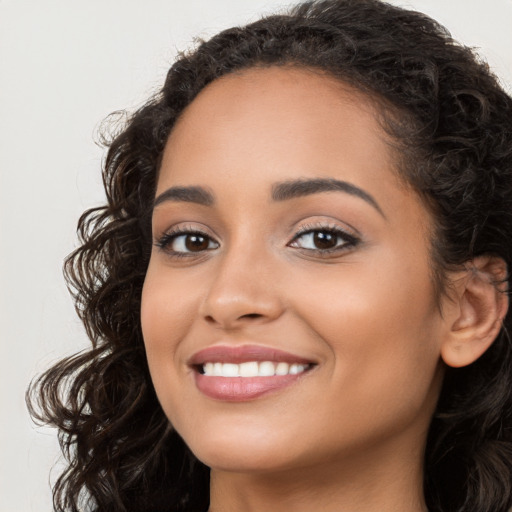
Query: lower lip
[{"x": 241, "y": 389}]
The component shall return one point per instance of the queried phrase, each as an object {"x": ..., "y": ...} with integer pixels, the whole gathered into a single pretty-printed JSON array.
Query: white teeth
[
  {"x": 296, "y": 368},
  {"x": 229, "y": 370},
  {"x": 248, "y": 369},
  {"x": 252, "y": 369},
  {"x": 282, "y": 368},
  {"x": 267, "y": 369}
]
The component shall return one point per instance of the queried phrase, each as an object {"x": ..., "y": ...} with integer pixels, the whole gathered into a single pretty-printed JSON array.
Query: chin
[{"x": 241, "y": 451}]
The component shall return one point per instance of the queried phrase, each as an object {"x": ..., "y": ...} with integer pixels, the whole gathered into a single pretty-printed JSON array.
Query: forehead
[{"x": 270, "y": 124}]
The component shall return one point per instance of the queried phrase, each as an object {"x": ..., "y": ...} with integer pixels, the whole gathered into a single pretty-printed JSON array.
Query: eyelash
[
  {"x": 165, "y": 241},
  {"x": 348, "y": 240}
]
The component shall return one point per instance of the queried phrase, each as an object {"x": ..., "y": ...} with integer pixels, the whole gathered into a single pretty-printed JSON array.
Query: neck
[{"x": 375, "y": 482}]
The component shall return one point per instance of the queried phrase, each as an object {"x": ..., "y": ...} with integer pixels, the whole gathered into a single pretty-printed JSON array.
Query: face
[{"x": 288, "y": 311}]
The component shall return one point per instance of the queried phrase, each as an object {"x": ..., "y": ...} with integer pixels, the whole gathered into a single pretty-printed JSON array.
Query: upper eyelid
[
  {"x": 327, "y": 226},
  {"x": 348, "y": 237},
  {"x": 307, "y": 228},
  {"x": 188, "y": 228},
  {"x": 165, "y": 240},
  {"x": 325, "y": 221},
  {"x": 185, "y": 228}
]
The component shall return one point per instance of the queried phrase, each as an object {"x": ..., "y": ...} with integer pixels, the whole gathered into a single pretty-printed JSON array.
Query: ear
[{"x": 481, "y": 304}]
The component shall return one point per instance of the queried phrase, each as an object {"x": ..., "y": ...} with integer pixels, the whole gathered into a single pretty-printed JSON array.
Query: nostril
[
  {"x": 211, "y": 319},
  {"x": 251, "y": 315}
]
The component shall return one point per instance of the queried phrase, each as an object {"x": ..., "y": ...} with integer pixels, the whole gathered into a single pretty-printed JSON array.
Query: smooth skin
[{"x": 338, "y": 277}]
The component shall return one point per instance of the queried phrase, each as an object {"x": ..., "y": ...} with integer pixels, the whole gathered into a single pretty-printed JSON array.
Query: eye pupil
[
  {"x": 324, "y": 239},
  {"x": 196, "y": 243}
]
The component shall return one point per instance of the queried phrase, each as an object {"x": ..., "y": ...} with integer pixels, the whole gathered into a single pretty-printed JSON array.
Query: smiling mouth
[
  {"x": 244, "y": 373},
  {"x": 252, "y": 369}
]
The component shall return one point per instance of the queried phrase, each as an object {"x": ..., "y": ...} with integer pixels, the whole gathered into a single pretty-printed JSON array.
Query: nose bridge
[{"x": 243, "y": 288}]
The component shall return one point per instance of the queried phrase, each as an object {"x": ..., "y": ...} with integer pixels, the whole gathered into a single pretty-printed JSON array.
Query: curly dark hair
[{"x": 452, "y": 124}]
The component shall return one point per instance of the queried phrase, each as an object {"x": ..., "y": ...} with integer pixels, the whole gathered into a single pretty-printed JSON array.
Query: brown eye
[
  {"x": 196, "y": 242},
  {"x": 186, "y": 243},
  {"x": 324, "y": 239}
]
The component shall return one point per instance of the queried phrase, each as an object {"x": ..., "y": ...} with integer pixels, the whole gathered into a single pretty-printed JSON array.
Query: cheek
[
  {"x": 381, "y": 324},
  {"x": 383, "y": 292},
  {"x": 168, "y": 308}
]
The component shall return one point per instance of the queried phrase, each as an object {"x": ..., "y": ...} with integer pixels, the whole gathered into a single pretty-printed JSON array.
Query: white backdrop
[{"x": 64, "y": 66}]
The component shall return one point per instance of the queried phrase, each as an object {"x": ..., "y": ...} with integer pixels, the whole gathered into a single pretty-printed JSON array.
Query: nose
[{"x": 244, "y": 291}]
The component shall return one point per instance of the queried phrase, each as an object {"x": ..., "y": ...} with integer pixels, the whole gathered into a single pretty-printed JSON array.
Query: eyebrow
[
  {"x": 197, "y": 195},
  {"x": 305, "y": 187},
  {"x": 280, "y": 192}
]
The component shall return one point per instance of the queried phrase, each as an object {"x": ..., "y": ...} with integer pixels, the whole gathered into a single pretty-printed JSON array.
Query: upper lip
[{"x": 243, "y": 353}]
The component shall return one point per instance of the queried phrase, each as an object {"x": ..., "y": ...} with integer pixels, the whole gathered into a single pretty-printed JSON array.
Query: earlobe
[{"x": 482, "y": 304}]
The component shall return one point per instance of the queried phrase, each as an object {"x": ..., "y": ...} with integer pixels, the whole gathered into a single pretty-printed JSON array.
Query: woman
[{"x": 297, "y": 291}]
